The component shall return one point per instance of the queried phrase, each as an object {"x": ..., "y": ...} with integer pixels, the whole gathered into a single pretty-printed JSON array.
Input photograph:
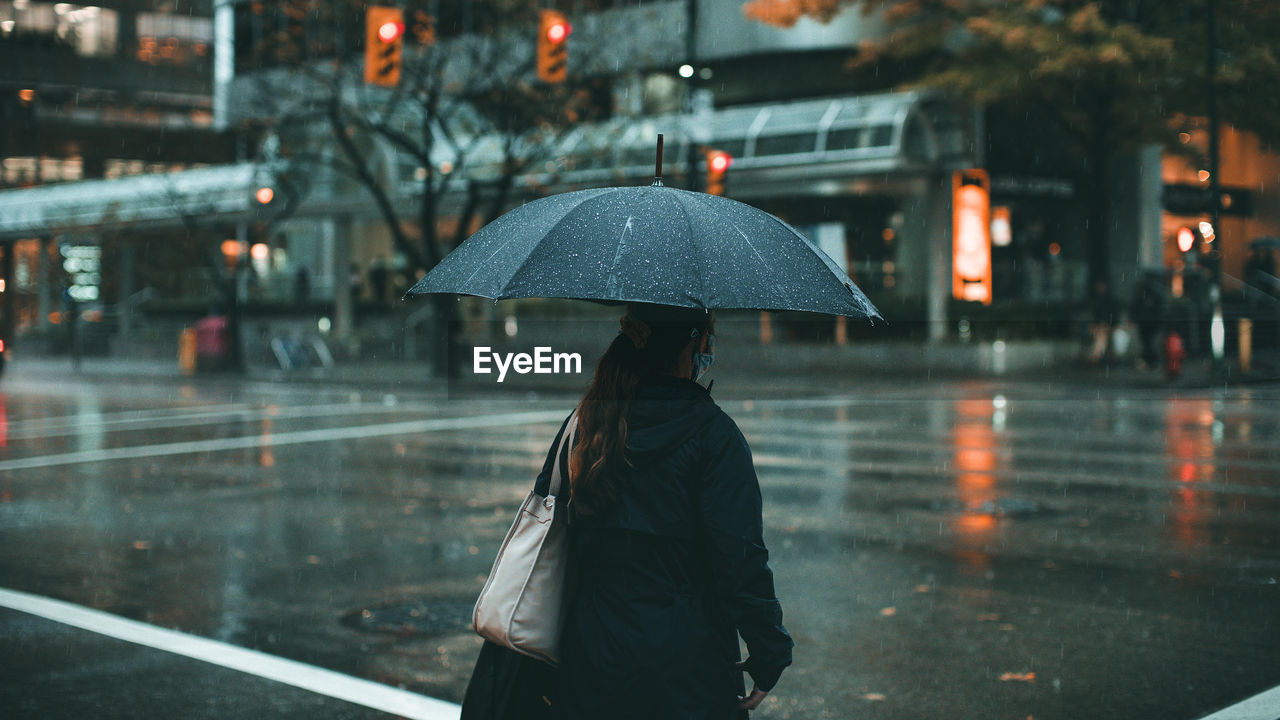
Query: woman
[{"x": 668, "y": 560}]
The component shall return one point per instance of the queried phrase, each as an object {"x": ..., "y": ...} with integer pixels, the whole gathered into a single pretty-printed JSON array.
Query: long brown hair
[{"x": 649, "y": 344}]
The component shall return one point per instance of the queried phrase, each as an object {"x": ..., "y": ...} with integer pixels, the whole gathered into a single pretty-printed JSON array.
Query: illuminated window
[
  {"x": 86, "y": 30},
  {"x": 177, "y": 39}
]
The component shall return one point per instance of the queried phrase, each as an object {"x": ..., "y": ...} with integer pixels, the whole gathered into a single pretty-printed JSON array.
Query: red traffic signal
[
  {"x": 719, "y": 161},
  {"x": 558, "y": 30},
  {"x": 264, "y": 195},
  {"x": 390, "y": 31}
]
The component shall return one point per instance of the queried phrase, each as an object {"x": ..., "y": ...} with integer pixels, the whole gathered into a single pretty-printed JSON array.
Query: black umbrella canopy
[{"x": 650, "y": 244}]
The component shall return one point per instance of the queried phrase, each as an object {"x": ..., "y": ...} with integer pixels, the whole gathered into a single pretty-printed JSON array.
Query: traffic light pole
[
  {"x": 691, "y": 57},
  {"x": 1217, "y": 329}
]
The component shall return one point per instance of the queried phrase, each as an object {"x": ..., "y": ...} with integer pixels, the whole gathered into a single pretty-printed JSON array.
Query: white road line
[
  {"x": 1263, "y": 706},
  {"x": 408, "y": 427},
  {"x": 290, "y": 672},
  {"x": 71, "y": 421},
  {"x": 247, "y": 414}
]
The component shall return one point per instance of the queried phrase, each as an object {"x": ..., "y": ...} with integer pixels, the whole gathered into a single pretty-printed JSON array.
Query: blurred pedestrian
[
  {"x": 378, "y": 280},
  {"x": 1148, "y": 314},
  {"x": 1105, "y": 315},
  {"x": 668, "y": 564},
  {"x": 302, "y": 285},
  {"x": 355, "y": 282}
]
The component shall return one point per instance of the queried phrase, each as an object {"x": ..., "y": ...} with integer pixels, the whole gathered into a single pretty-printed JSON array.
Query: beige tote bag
[{"x": 521, "y": 605}]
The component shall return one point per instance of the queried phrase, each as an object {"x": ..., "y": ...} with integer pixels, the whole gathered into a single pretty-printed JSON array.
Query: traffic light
[
  {"x": 553, "y": 46},
  {"x": 718, "y": 162},
  {"x": 383, "y": 45}
]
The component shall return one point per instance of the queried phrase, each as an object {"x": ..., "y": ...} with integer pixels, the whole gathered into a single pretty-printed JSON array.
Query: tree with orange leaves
[{"x": 1111, "y": 74}]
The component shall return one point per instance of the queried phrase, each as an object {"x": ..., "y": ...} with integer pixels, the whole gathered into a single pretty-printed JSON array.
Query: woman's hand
[
  {"x": 752, "y": 701},
  {"x": 754, "y": 698}
]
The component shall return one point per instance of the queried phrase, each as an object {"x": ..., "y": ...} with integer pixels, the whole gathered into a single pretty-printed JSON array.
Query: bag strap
[{"x": 560, "y": 474}]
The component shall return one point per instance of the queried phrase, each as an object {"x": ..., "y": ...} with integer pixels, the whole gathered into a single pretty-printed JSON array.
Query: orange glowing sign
[{"x": 971, "y": 235}]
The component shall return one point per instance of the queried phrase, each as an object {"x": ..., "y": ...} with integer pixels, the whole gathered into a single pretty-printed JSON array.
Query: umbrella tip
[{"x": 657, "y": 166}]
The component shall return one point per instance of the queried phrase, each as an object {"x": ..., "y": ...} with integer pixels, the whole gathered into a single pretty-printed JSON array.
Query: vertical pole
[
  {"x": 224, "y": 64},
  {"x": 6, "y": 273},
  {"x": 691, "y": 57},
  {"x": 126, "y": 291},
  {"x": 939, "y": 247},
  {"x": 1246, "y": 344},
  {"x": 239, "y": 291},
  {"x": 44, "y": 298},
  {"x": 1217, "y": 330},
  {"x": 343, "y": 314}
]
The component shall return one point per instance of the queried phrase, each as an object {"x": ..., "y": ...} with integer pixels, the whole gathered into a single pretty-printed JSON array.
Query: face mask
[{"x": 702, "y": 360}]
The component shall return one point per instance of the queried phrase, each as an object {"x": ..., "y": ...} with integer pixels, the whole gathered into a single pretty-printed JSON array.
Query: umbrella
[{"x": 650, "y": 244}]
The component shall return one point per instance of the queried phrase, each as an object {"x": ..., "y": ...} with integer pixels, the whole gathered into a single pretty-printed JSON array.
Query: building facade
[{"x": 865, "y": 169}]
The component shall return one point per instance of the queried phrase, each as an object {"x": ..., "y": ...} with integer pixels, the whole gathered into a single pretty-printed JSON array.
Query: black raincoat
[{"x": 664, "y": 581}]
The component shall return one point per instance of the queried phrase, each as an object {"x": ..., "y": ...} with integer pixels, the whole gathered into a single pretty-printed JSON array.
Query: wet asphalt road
[{"x": 966, "y": 550}]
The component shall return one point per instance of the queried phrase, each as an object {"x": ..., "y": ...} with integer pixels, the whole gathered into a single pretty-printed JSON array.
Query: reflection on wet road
[{"x": 973, "y": 550}]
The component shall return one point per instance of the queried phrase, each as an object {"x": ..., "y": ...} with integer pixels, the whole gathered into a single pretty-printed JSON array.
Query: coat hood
[{"x": 665, "y": 412}]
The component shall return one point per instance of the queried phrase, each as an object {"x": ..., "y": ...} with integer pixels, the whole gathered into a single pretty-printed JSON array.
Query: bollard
[
  {"x": 1174, "y": 353},
  {"x": 1245, "y": 342},
  {"x": 187, "y": 351},
  {"x": 766, "y": 328}
]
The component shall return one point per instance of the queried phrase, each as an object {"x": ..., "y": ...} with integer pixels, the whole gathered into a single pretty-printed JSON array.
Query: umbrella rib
[
  {"x": 612, "y": 285},
  {"x": 863, "y": 306},
  {"x": 502, "y": 291},
  {"x": 485, "y": 264},
  {"x": 704, "y": 297},
  {"x": 764, "y": 263}
]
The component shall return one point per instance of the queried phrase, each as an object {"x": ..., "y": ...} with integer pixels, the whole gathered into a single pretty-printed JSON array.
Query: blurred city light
[
  {"x": 1186, "y": 239},
  {"x": 686, "y": 71},
  {"x": 1001, "y": 227}
]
